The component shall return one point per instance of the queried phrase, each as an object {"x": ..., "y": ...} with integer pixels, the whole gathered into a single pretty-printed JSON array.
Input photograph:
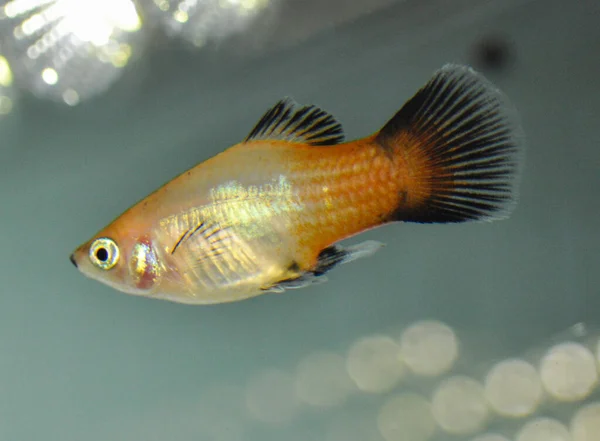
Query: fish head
[{"x": 127, "y": 262}]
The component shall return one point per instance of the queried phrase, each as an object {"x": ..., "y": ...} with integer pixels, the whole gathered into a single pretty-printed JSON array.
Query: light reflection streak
[
  {"x": 7, "y": 92},
  {"x": 69, "y": 50},
  {"x": 201, "y": 21}
]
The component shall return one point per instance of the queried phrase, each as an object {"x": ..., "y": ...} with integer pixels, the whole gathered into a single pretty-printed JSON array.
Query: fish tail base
[{"x": 459, "y": 146}]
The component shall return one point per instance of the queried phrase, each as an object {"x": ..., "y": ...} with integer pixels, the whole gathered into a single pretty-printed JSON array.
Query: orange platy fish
[{"x": 265, "y": 215}]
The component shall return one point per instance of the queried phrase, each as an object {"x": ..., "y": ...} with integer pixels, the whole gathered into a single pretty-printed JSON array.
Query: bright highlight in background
[
  {"x": 406, "y": 417},
  {"x": 459, "y": 405},
  {"x": 429, "y": 348},
  {"x": 544, "y": 429},
  {"x": 375, "y": 364},
  {"x": 569, "y": 371},
  {"x": 50, "y": 76},
  {"x": 490, "y": 437},
  {"x": 322, "y": 380},
  {"x": 6, "y": 89},
  {"x": 513, "y": 388},
  {"x": 88, "y": 21},
  {"x": 585, "y": 425},
  {"x": 422, "y": 408},
  {"x": 69, "y": 50},
  {"x": 201, "y": 21},
  {"x": 73, "y": 50}
]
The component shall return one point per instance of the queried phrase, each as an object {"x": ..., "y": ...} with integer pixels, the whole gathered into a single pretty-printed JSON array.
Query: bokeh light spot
[
  {"x": 459, "y": 405},
  {"x": 322, "y": 380},
  {"x": 490, "y": 437},
  {"x": 543, "y": 429},
  {"x": 50, "y": 76},
  {"x": 429, "y": 348},
  {"x": 375, "y": 363},
  {"x": 6, "y": 78},
  {"x": 56, "y": 45},
  {"x": 406, "y": 417},
  {"x": 71, "y": 97},
  {"x": 513, "y": 388},
  {"x": 569, "y": 371},
  {"x": 181, "y": 16},
  {"x": 585, "y": 425},
  {"x": 210, "y": 20},
  {"x": 6, "y": 105}
]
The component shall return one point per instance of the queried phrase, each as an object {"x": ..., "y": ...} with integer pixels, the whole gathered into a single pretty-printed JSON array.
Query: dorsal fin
[{"x": 287, "y": 121}]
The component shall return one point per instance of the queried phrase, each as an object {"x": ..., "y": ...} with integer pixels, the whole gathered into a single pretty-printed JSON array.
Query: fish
[{"x": 268, "y": 214}]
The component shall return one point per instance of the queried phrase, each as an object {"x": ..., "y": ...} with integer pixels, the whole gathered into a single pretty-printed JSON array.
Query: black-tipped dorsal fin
[{"x": 288, "y": 121}]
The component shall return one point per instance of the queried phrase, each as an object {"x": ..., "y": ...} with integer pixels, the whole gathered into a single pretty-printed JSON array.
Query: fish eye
[{"x": 104, "y": 253}]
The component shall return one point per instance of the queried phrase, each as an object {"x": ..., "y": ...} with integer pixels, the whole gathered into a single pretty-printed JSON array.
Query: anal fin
[
  {"x": 305, "y": 279},
  {"x": 336, "y": 255},
  {"x": 328, "y": 259}
]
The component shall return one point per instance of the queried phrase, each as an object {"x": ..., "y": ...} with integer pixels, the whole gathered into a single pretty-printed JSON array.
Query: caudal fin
[{"x": 459, "y": 146}]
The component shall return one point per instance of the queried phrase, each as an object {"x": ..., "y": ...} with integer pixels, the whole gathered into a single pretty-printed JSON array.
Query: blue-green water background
[{"x": 79, "y": 361}]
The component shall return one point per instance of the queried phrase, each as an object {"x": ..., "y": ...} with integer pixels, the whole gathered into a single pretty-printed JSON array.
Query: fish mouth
[{"x": 72, "y": 259}]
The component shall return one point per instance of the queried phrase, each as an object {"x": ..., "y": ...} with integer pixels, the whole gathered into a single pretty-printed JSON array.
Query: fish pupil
[{"x": 102, "y": 254}]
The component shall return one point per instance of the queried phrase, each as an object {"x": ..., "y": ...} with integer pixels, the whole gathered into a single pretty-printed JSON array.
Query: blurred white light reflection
[
  {"x": 513, "y": 388},
  {"x": 490, "y": 437},
  {"x": 544, "y": 429},
  {"x": 375, "y": 363},
  {"x": 429, "y": 348},
  {"x": 459, "y": 405},
  {"x": 569, "y": 371},
  {"x": 69, "y": 50},
  {"x": 7, "y": 92},
  {"x": 200, "y": 21},
  {"x": 406, "y": 417},
  {"x": 322, "y": 380},
  {"x": 585, "y": 425}
]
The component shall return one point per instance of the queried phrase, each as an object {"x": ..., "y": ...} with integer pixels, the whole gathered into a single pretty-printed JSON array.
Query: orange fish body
[{"x": 265, "y": 215}]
